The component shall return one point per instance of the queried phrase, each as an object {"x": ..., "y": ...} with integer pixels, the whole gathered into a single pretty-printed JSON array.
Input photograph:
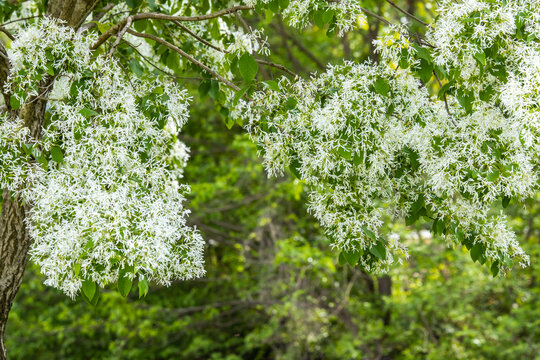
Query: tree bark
[{"x": 14, "y": 238}]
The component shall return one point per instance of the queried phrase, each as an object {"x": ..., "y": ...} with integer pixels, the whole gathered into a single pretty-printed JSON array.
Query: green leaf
[
  {"x": 229, "y": 123},
  {"x": 133, "y": 3},
  {"x": 318, "y": 18},
  {"x": 444, "y": 89},
  {"x": 124, "y": 282},
  {"x": 477, "y": 251},
  {"x": 173, "y": 62},
  {"x": 136, "y": 67},
  {"x": 139, "y": 25},
  {"x": 291, "y": 103},
  {"x": 86, "y": 112},
  {"x": 271, "y": 84},
  {"x": 480, "y": 58},
  {"x": 28, "y": 148},
  {"x": 369, "y": 233},
  {"x": 14, "y": 102},
  {"x": 466, "y": 100},
  {"x": 77, "y": 269},
  {"x": 94, "y": 300},
  {"x": 247, "y": 65},
  {"x": 352, "y": 257},
  {"x": 358, "y": 157},
  {"x": 411, "y": 218},
  {"x": 327, "y": 15},
  {"x": 434, "y": 226},
  {"x": 341, "y": 259},
  {"x": 214, "y": 89},
  {"x": 425, "y": 71},
  {"x": 381, "y": 86},
  {"x": 204, "y": 88},
  {"x": 487, "y": 93},
  {"x": 143, "y": 287},
  {"x": 460, "y": 235},
  {"x": 418, "y": 204},
  {"x": 283, "y": 3},
  {"x": 239, "y": 94},
  {"x": 506, "y": 201},
  {"x": 274, "y": 6},
  {"x": 345, "y": 153},
  {"x": 422, "y": 53},
  {"x": 294, "y": 167},
  {"x": 57, "y": 155},
  {"x": 495, "y": 268},
  {"x": 89, "y": 244},
  {"x": 441, "y": 226},
  {"x": 50, "y": 70},
  {"x": 89, "y": 289},
  {"x": 493, "y": 175},
  {"x": 404, "y": 59},
  {"x": 152, "y": 5},
  {"x": 379, "y": 250}
]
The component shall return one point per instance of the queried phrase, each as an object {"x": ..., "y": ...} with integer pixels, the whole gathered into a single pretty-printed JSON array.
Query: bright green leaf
[
  {"x": 86, "y": 112},
  {"x": 124, "y": 282},
  {"x": 143, "y": 287},
  {"x": 14, "y": 102},
  {"x": 381, "y": 86},
  {"x": 352, "y": 257},
  {"x": 247, "y": 65},
  {"x": 379, "y": 250},
  {"x": 477, "y": 251},
  {"x": 57, "y": 155},
  {"x": 89, "y": 288}
]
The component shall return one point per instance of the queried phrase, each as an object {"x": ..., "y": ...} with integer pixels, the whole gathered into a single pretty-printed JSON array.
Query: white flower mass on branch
[
  {"x": 107, "y": 196},
  {"x": 371, "y": 142}
]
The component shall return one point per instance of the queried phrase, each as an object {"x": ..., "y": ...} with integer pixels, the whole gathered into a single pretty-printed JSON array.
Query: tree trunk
[
  {"x": 14, "y": 244},
  {"x": 14, "y": 238}
]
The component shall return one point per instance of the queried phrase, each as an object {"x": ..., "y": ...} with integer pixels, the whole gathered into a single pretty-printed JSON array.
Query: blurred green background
[{"x": 274, "y": 288}]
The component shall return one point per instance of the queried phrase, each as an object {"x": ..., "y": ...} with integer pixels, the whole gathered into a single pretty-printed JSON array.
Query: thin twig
[
  {"x": 187, "y": 56},
  {"x": 407, "y": 13},
  {"x": 262, "y": 62},
  {"x": 277, "y": 66},
  {"x": 159, "y": 16},
  {"x": 444, "y": 97},
  {"x": 21, "y": 19},
  {"x": 378, "y": 17},
  {"x": 120, "y": 36},
  {"x": 147, "y": 60},
  {"x": 207, "y": 43}
]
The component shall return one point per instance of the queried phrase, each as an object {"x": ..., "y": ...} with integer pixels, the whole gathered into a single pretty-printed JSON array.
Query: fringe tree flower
[{"x": 106, "y": 202}]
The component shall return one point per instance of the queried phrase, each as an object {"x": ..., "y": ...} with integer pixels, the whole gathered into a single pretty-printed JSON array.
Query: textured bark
[
  {"x": 14, "y": 245},
  {"x": 14, "y": 238}
]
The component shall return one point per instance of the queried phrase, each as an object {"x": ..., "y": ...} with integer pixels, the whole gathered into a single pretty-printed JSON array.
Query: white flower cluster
[
  {"x": 108, "y": 198},
  {"x": 298, "y": 13},
  {"x": 370, "y": 141},
  {"x": 14, "y": 165}
]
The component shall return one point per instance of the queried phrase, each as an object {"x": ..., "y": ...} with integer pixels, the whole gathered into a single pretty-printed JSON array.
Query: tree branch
[
  {"x": 8, "y": 34},
  {"x": 408, "y": 14},
  {"x": 159, "y": 16},
  {"x": 185, "y": 55}
]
